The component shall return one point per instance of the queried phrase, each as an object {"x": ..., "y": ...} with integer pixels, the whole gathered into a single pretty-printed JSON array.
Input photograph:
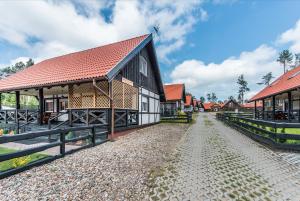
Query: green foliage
[
  {"x": 285, "y": 57},
  {"x": 243, "y": 88},
  {"x": 266, "y": 79},
  {"x": 17, "y": 67},
  {"x": 70, "y": 135},
  {"x": 202, "y": 99}
]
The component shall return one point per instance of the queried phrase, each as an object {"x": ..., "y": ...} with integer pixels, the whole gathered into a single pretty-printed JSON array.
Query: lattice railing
[
  {"x": 124, "y": 95},
  {"x": 85, "y": 96}
]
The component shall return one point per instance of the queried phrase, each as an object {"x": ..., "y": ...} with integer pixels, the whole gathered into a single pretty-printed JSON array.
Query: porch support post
[
  {"x": 0, "y": 101},
  {"x": 290, "y": 105},
  {"x": 17, "y": 100},
  {"x": 255, "y": 110},
  {"x": 273, "y": 109},
  {"x": 263, "y": 109},
  {"x": 41, "y": 105}
]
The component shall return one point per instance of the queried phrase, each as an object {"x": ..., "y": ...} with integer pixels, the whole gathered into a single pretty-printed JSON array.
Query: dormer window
[{"x": 143, "y": 66}]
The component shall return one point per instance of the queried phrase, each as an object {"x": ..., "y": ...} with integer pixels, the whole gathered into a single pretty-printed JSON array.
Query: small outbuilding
[{"x": 175, "y": 99}]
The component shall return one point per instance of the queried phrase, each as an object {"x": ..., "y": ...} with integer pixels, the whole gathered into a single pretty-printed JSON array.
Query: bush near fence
[{"x": 279, "y": 135}]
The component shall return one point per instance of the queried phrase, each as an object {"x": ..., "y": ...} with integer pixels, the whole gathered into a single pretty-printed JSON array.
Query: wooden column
[
  {"x": 263, "y": 109},
  {"x": 273, "y": 108},
  {"x": 0, "y": 101},
  {"x": 290, "y": 105},
  {"x": 255, "y": 110},
  {"x": 17, "y": 100},
  {"x": 41, "y": 105}
]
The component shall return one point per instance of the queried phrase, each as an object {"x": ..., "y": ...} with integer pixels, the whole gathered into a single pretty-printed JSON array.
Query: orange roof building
[
  {"x": 125, "y": 73},
  {"x": 175, "y": 99},
  {"x": 280, "y": 100}
]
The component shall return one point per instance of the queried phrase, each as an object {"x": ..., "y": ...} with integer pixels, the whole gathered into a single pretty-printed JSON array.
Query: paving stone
[{"x": 215, "y": 162}]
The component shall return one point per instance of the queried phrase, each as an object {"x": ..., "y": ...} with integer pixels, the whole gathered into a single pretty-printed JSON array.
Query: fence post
[
  {"x": 62, "y": 140},
  {"x": 93, "y": 136}
]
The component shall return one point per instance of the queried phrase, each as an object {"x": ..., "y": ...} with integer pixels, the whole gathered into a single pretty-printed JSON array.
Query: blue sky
[{"x": 205, "y": 44}]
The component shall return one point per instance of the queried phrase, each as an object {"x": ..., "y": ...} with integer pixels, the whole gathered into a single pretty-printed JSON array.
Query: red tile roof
[
  {"x": 289, "y": 80},
  {"x": 174, "y": 92},
  {"x": 83, "y": 65},
  {"x": 251, "y": 105},
  {"x": 188, "y": 100},
  {"x": 207, "y": 106}
]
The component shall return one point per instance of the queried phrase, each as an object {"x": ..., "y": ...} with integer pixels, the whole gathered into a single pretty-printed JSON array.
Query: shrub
[{"x": 21, "y": 161}]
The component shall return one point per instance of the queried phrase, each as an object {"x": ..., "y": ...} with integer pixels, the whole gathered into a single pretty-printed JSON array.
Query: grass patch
[{"x": 12, "y": 163}]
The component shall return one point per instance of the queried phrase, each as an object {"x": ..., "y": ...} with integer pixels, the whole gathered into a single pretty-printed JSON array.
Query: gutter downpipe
[{"x": 111, "y": 105}]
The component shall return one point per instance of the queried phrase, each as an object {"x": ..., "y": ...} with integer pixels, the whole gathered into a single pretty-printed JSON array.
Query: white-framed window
[
  {"x": 145, "y": 104},
  {"x": 143, "y": 66}
]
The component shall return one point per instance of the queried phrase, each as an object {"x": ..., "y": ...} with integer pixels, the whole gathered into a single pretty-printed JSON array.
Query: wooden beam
[
  {"x": 263, "y": 109},
  {"x": 17, "y": 100},
  {"x": 255, "y": 110},
  {"x": 41, "y": 105},
  {"x": 273, "y": 109},
  {"x": 290, "y": 105}
]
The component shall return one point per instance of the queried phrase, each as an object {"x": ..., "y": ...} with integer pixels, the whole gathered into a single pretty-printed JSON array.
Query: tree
[
  {"x": 266, "y": 79},
  {"x": 231, "y": 98},
  {"x": 243, "y": 88},
  {"x": 29, "y": 63},
  {"x": 208, "y": 97},
  {"x": 285, "y": 57},
  {"x": 202, "y": 99},
  {"x": 214, "y": 97},
  {"x": 17, "y": 67},
  {"x": 297, "y": 59}
]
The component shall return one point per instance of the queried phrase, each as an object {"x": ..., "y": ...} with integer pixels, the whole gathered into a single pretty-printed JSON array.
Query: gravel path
[
  {"x": 112, "y": 171},
  {"x": 215, "y": 162}
]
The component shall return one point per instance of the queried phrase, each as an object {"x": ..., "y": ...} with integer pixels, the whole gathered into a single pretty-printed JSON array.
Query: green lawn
[{"x": 5, "y": 165}]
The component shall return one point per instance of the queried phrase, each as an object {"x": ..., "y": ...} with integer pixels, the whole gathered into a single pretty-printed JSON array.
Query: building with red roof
[
  {"x": 175, "y": 99},
  {"x": 189, "y": 105},
  {"x": 87, "y": 84},
  {"x": 211, "y": 107},
  {"x": 231, "y": 105},
  {"x": 280, "y": 100}
]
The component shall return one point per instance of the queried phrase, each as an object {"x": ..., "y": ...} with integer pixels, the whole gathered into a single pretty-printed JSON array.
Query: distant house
[
  {"x": 211, "y": 107},
  {"x": 175, "y": 99},
  {"x": 250, "y": 106},
  {"x": 188, "y": 105},
  {"x": 83, "y": 87},
  {"x": 281, "y": 99},
  {"x": 231, "y": 105}
]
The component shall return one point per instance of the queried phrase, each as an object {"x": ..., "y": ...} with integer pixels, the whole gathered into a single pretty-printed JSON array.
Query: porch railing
[
  {"x": 18, "y": 115},
  {"x": 93, "y": 135},
  {"x": 280, "y": 135}
]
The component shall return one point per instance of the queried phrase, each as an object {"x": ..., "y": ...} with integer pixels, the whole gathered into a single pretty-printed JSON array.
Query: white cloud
[
  {"x": 203, "y": 15},
  {"x": 291, "y": 36},
  {"x": 201, "y": 78},
  {"x": 58, "y": 27}
]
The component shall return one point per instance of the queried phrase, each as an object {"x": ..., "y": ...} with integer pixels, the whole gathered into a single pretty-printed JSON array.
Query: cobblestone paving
[{"x": 215, "y": 162}]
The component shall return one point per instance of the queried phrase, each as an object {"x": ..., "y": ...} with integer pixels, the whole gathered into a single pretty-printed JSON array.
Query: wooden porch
[{"x": 74, "y": 105}]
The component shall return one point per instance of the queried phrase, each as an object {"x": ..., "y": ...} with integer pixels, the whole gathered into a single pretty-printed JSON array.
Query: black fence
[
  {"x": 178, "y": 118},
  {"x": 277, "y": 135},
  {"x": 89, "y": 135}
]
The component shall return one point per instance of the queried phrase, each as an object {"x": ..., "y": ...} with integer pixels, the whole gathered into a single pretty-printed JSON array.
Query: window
[
  {"x": 49, "y": 106},
  {"x": 145, "y": 104},
  {"x": 63, "y": 104},
  {"x": 143, "y": 66}
]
